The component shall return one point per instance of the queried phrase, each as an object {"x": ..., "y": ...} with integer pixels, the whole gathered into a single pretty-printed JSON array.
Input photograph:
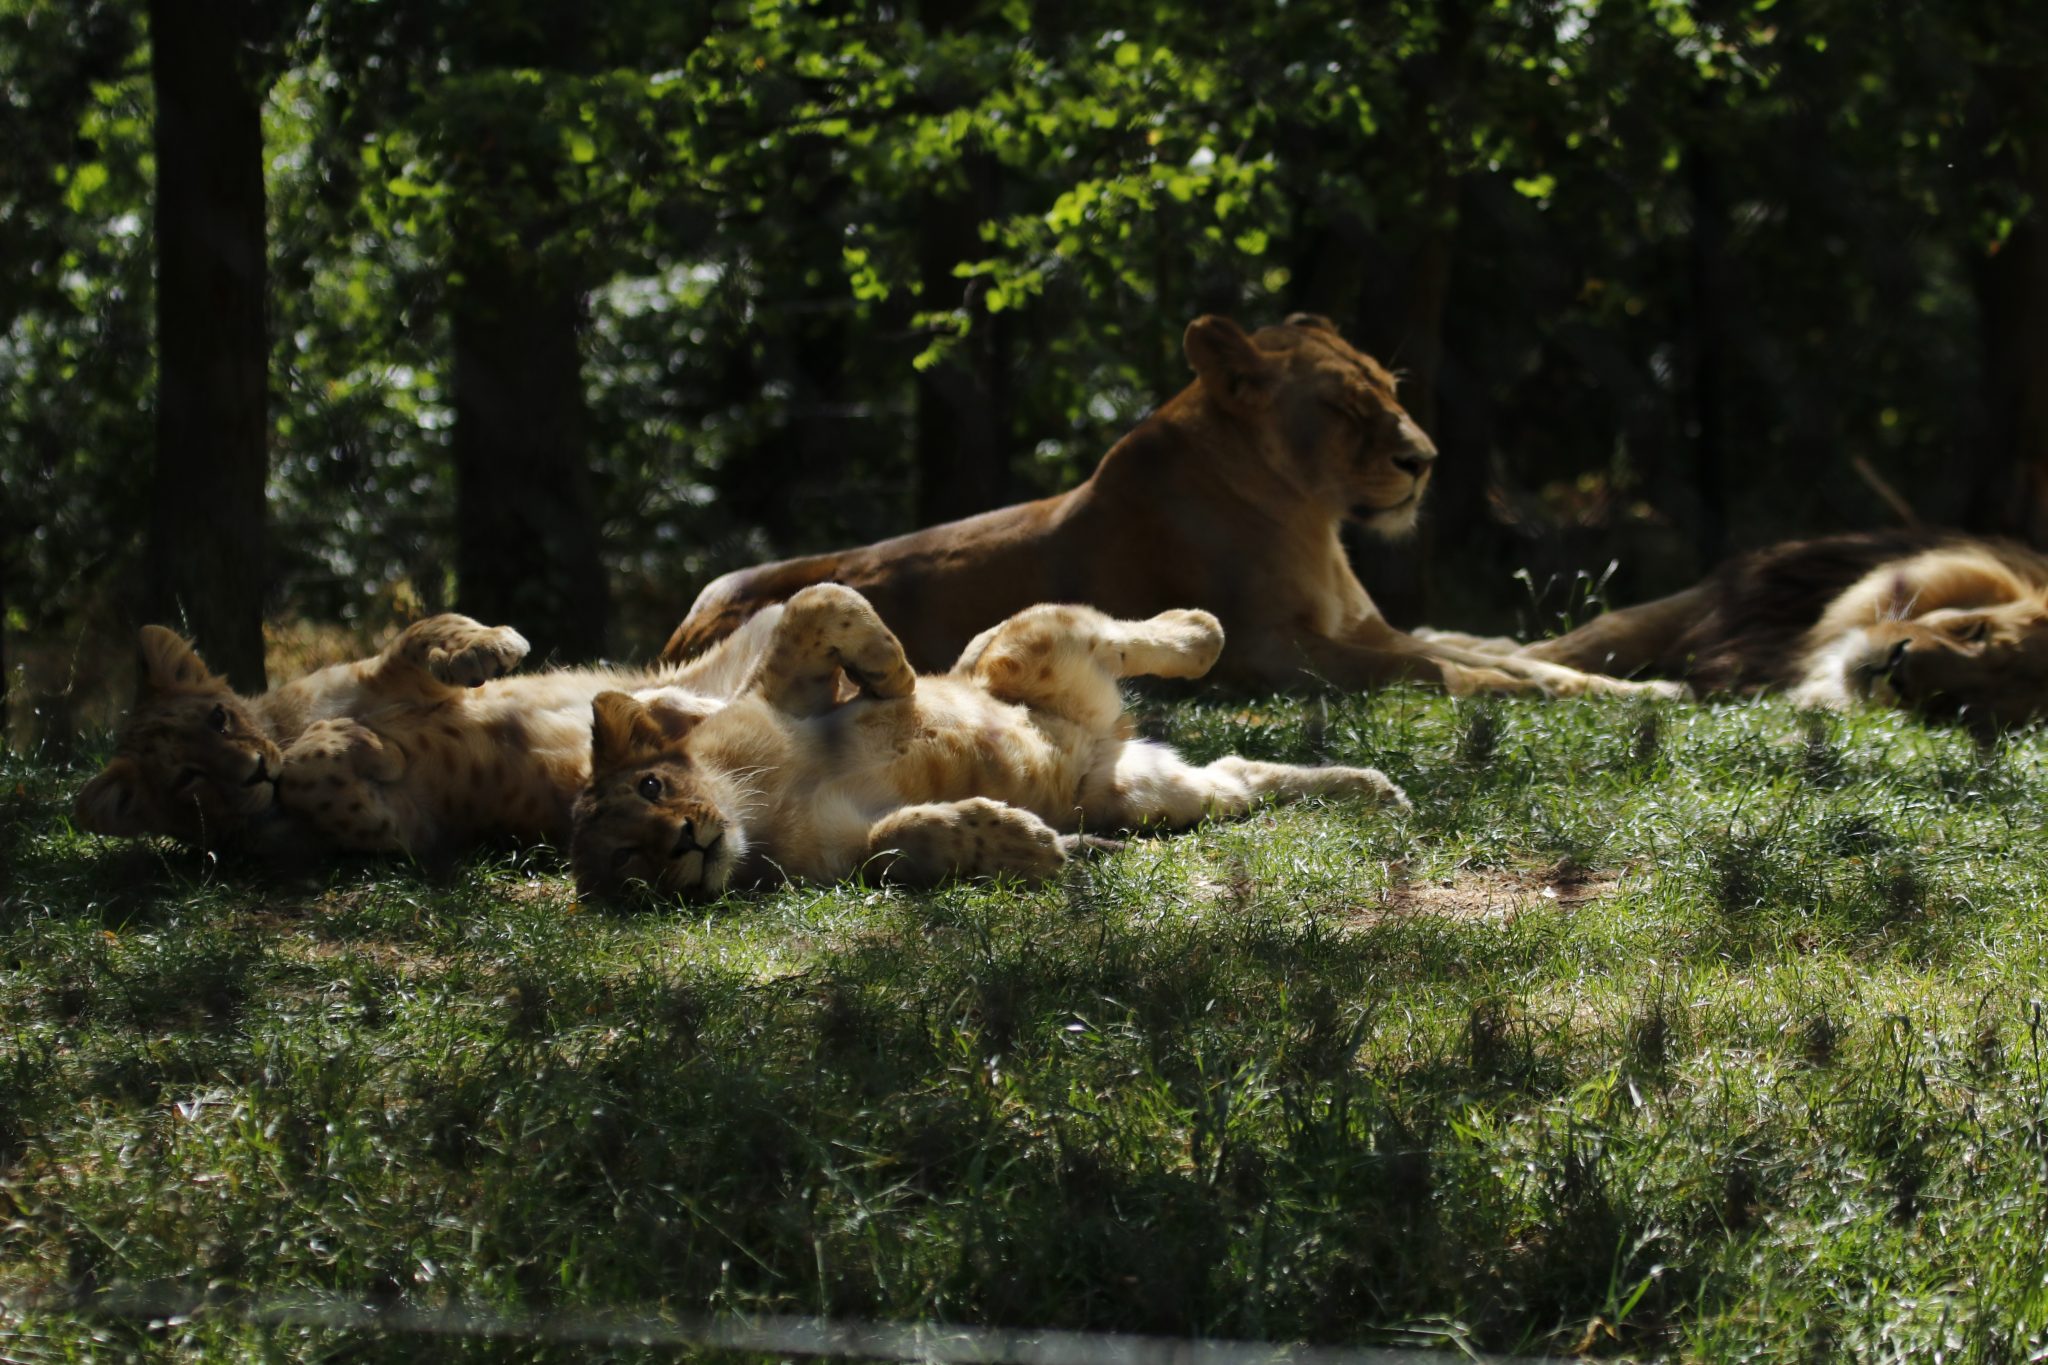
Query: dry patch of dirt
[{"x": 1489, "y": 895}]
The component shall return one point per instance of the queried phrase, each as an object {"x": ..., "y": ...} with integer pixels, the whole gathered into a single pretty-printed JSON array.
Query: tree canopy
[{"x": 647, "y": 292}]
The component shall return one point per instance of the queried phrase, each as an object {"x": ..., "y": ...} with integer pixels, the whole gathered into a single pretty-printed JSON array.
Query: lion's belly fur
[{"x": 807, "y": 790}]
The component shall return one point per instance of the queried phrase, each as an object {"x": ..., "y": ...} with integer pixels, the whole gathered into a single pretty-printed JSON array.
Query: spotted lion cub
[
  {"x": 420, "y": 749},
  {"x": 973, "y": 772},
  {"x": 198, "y": 762}
]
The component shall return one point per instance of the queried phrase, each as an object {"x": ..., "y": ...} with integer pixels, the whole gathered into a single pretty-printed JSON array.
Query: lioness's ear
[
  {"x": 171, "y": 665},
  {"x": 1237, "y": 373},
  {"x": 1315, "y": 320},
  {"x": 114, "y": 802},
  {"x": 622, "y": 731}
]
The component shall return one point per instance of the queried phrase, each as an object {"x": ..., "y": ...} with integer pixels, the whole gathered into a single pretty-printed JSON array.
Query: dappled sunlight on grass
[{"x": 1652, "y": 1030}]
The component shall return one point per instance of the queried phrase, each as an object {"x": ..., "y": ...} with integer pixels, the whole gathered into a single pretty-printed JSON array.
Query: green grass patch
[{"x": 1668, "y": 1030}]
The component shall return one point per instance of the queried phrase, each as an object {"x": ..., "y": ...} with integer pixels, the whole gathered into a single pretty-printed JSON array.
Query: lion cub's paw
[
  {"x": 1195, "y": 635},
  {"x": 995, "y": 839},
  {"x": 472, "y": 657},
  {"x": 1372, "y": 785},
  {"x": 331, "y": 779}
]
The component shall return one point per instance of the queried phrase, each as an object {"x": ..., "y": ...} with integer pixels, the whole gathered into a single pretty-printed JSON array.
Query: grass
[{"x": 1660, "y": 1032}]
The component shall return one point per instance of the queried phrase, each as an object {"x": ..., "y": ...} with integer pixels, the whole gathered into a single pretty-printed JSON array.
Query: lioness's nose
[{"x": 1414, "y": 459}]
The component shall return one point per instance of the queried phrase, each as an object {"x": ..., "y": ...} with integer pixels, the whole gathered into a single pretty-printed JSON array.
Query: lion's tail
[
  {"x": 1630, "y": 640},
  {"x": 729, "y": 601}
]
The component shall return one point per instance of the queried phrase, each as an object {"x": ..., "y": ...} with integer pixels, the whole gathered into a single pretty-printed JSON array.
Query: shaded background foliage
[{"x": 570, "y": 308}]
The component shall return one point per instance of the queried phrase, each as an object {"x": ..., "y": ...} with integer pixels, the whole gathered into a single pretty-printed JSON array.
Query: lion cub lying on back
[
  {"x": 423, "y": 748},
  {"x": 972, "y": 772}
]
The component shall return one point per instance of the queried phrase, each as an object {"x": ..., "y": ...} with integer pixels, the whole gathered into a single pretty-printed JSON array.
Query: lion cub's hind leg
[
  {"x": 921, "y": 845},
  {"x": 1151, "y": 785},
  {"x": 1068, "y": 660},
  {"x": 824, "y": 629}
]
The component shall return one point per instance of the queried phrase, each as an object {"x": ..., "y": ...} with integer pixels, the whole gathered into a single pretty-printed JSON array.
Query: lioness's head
[
  {"x": 1325, "y": 410},
  {"x": 650, "y": 816},
  {"x": 1984, "y": 665},
  {"x": 192, "y": 761}
]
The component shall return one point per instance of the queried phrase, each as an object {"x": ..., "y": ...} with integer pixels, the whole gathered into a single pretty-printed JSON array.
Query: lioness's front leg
[
  {"x": 1343, "y": 664},
  {"x": 1557, "y": 680},
  {"x": 977, "y": 837},
  {"x": 1462, "y": 672},
  {"x": 824, "y": 629},
  {"x": 335, "y": 780},
  {"x": 453, "y": 650}
]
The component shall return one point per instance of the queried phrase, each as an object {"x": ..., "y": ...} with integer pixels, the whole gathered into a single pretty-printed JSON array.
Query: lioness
[
  {"x": 917, "y": 778},
  {"x": 1228, "y": 498},
  {"x": 1938, "y": 622},
  {"x": 426, "y": 743}
]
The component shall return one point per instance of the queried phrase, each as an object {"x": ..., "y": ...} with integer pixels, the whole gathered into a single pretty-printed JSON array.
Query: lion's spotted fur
[
  {"x": 978, "y": 770},
  {"x": 1934, "y": 621},
  {"x": 423, "y": 745},
  {"x": 1230, "y": 497}
]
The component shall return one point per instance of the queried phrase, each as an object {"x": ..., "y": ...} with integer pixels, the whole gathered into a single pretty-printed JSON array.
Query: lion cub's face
[
  {"x": 1332, "y": 408},
  {"x": 192, "y": 761},
  {"x": 1986, "y": 665},
  {"x": 650, "y": 817}
]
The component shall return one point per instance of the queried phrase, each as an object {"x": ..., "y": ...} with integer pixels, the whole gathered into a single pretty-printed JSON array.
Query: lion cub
[
  {"x": 198, "y": 762},
  {"x": 915, "y": 779},
  {"x": 420, "y": 749}
]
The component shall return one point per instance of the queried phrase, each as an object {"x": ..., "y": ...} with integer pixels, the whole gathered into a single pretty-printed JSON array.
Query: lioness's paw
[
  {"x": 1462, "y": 680},
  {"x": 471, "y": 658}
]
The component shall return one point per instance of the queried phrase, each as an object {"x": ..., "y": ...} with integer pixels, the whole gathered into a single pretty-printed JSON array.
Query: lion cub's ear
[
  {"x": 113, "y": 803},
  {"x": 624, "y": 731},
  {"x": 1234, "y": 371},
  {"x": 169, "y": 664}
]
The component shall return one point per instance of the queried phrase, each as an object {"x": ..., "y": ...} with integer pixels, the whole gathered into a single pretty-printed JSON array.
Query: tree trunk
[
  {"x": 963, "y": 402},
  {"x": 6, "y": 692},
  {"x": 1707, "y": 283},
  {"x": 206, "y": 552},
  {"x": 527, "y": 549},
  {"x": 2011, "y": 487}
]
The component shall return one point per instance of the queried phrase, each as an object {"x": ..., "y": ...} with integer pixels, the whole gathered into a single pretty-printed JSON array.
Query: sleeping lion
[
  {"x": 1948, "y": 625},
  {"x": 993, "y": 768},
  {"x": 1229, "y": 498}
]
